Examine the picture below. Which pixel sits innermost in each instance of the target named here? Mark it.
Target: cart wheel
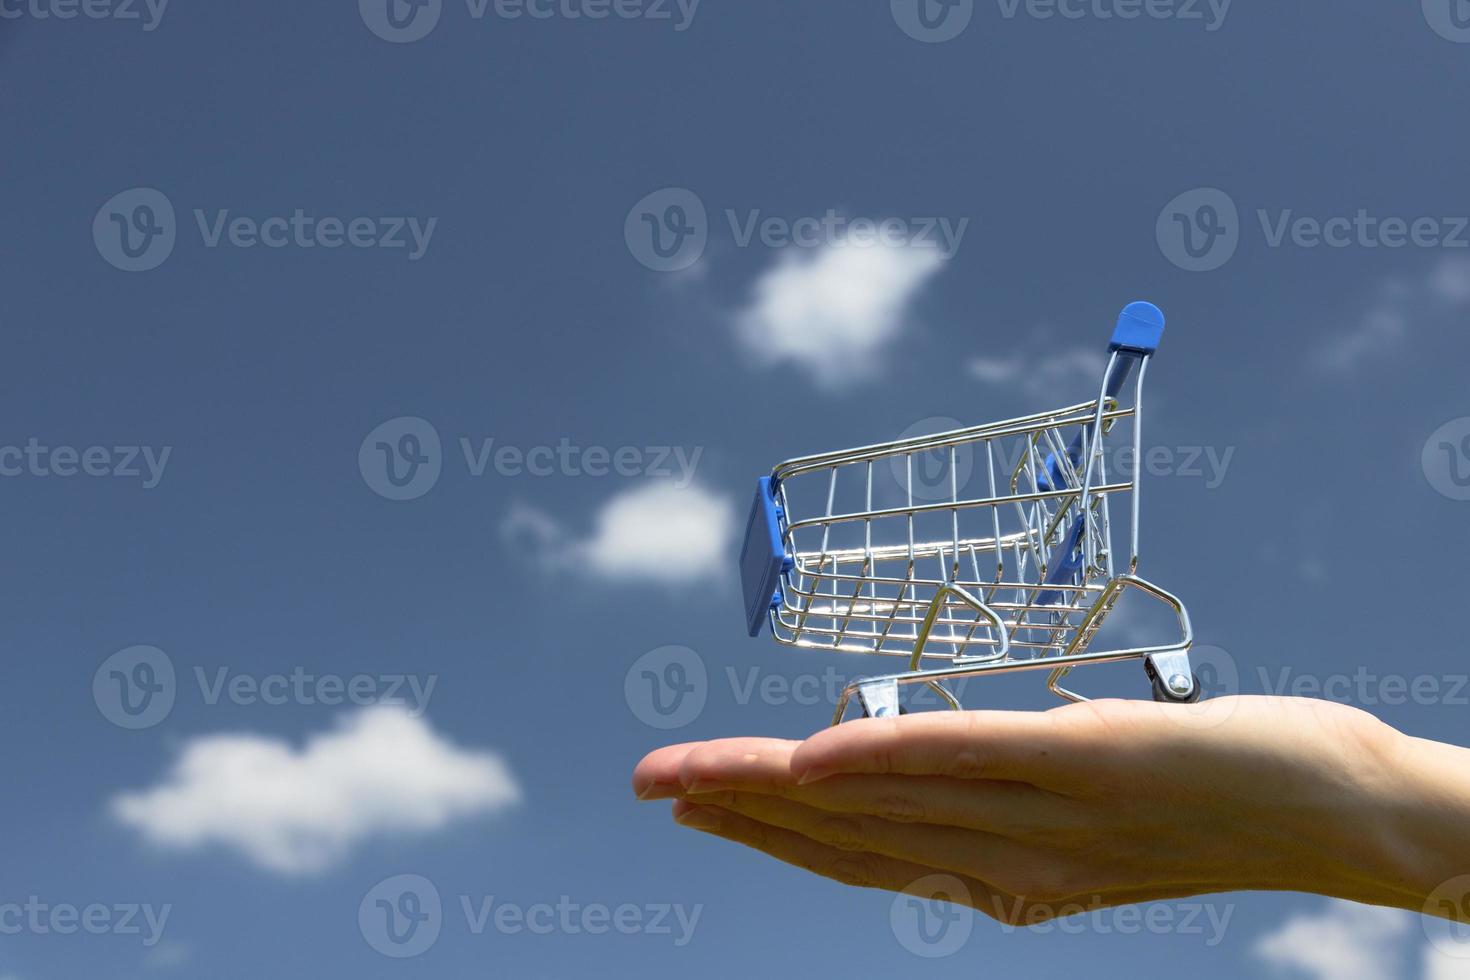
(1163, 693)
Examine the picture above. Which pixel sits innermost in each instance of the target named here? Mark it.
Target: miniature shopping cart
(981, 550)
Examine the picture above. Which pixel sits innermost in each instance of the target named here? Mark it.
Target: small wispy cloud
(1439, 965)
(1450, 281)
(1397, 305)
(299, 811)
(659, 532)
(167, 956)
(1345, 941)
(834, 309)
(1042, 368)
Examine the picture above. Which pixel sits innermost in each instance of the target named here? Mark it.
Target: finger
(1016, 810)
(878, 871)
(856, 868)
(965, 852)
(1029, 747)
(656, 776)
(713, 764)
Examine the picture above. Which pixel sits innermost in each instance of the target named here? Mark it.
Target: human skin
(1094, 804)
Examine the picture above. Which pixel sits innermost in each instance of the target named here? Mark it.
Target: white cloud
(381, 771)
(1440, 965)
(1397, 306)
(1450, 280)
(833, 309)
(167, 956)
(660, 532)
(1346, 941)
(1066, 374)
(1378, 332)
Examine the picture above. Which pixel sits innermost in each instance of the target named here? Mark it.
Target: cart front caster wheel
(1166, 693)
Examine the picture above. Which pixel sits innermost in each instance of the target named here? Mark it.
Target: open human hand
(1101, 803)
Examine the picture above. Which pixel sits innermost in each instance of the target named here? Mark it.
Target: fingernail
(700, 818)
(811, 776)
(657, 791)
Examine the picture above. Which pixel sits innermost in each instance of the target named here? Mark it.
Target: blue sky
(341, 236)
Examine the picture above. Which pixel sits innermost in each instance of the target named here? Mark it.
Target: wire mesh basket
(984, 549)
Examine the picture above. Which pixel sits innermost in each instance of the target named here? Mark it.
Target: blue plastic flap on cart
(1051, 477)
(1139, 330)
(763, 557)
(1066, 563)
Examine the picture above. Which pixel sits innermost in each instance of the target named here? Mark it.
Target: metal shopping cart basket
(981, 550)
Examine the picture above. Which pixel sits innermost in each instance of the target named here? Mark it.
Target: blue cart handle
(1137, 335)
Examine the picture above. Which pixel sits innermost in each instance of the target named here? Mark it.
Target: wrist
(1415, 821)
